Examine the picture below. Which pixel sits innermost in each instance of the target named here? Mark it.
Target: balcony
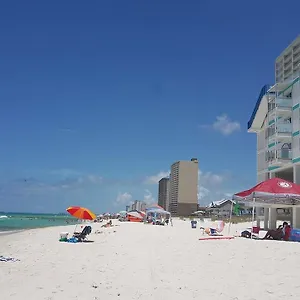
(281, 106)
(281, 131)
(279, 156)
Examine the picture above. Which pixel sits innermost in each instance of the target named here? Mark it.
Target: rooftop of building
(261, 107)
(289, 47)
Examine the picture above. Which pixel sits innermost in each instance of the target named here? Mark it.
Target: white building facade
(276, 121)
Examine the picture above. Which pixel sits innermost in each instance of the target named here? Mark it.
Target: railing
(279, 154)
(284, 154)
(280, 103)
(284, 128)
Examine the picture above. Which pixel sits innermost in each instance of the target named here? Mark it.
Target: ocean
(21, 221)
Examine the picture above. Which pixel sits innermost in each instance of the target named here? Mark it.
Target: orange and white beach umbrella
(81, 213)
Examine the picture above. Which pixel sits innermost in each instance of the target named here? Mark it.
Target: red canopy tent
(272, 191)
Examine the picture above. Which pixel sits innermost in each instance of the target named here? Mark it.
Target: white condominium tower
(183, 192)
(287, 65)
(276, 120)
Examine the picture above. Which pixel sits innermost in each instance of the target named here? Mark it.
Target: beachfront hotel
(163, 192)
(276, 122)
(183, 191)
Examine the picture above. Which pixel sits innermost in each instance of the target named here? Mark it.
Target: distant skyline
(99, 99)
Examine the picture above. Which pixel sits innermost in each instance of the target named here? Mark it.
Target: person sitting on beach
(214, 230)
(281, 233)
(108, 224)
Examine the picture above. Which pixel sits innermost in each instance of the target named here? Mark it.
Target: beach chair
(81, 236)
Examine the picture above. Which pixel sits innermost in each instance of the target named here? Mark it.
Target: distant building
(138, 205)
(163, 193)
(221, 208)
(127, 208)
(183, 190)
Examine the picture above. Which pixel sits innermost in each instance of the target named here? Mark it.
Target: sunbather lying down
(108, 224)
(210, 231)
(214, 231)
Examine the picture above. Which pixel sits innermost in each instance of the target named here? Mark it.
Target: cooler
(255, 229)
(63, 235)
(194, 224)
(295, 235)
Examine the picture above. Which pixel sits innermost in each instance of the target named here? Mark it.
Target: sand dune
(137, 261)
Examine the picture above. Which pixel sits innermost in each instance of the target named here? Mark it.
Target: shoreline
(12, 231)
(9, 232)
(20, 230)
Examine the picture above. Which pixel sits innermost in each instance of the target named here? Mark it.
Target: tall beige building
(183, 192)
(163, 193)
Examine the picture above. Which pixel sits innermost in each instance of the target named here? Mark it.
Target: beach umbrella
(154, 206)
(135, 214)
(81, 213)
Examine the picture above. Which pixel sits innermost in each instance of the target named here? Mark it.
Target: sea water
(21, 221)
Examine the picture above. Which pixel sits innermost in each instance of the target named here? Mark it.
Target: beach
(137, 261)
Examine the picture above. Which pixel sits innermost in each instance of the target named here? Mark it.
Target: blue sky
(99, 98)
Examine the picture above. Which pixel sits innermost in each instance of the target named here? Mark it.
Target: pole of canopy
(253, 214)
(230, 217)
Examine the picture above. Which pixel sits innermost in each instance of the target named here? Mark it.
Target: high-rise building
(183, 191)
(138, 205)
(287, 64)
(276, 122)
(163, 193)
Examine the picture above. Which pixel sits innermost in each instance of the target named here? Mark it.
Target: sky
(98, 99)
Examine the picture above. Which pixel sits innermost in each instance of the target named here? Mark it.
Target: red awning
(275, 190)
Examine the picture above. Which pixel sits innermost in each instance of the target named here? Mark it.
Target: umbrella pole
(253, 212)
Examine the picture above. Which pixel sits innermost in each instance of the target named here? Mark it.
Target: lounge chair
(81, 236)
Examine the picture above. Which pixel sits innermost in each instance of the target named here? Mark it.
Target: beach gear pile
(7, 259)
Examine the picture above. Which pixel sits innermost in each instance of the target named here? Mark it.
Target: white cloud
(65, 173)
(202, 192)
(154, 179)
(224, 125)
(210, 187)
(123, 198)
(148, 197)
(210, 178)
(80, 181)
(228, 195)
(94, 179)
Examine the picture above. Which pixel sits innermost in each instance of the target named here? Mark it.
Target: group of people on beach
(283, 232)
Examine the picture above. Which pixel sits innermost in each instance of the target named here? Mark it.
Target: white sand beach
(137, 261)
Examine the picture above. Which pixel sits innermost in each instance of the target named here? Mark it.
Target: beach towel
(6, 259)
